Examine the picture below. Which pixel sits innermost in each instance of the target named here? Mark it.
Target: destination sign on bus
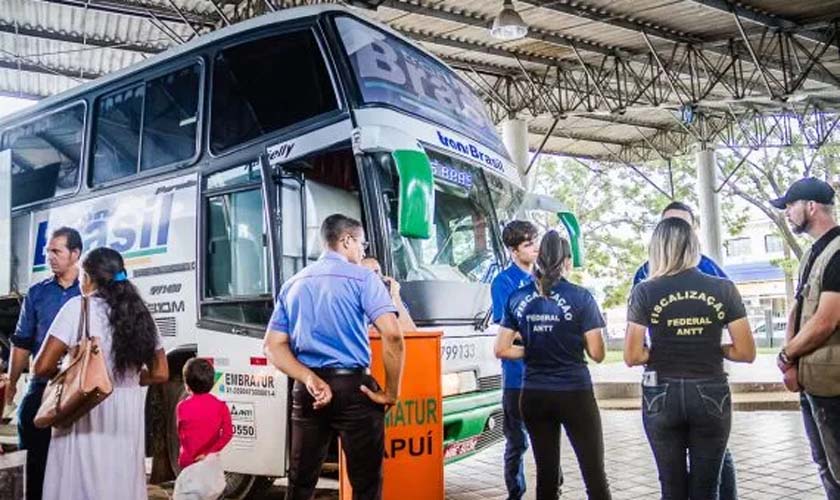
(392, 72)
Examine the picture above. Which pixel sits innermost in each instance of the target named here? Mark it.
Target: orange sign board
(413, 466)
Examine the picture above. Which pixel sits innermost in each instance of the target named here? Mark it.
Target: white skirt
(101, 457)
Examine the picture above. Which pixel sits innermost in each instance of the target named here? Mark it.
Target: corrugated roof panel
(27, 85)
(68, 20)
(66, 56)
(801, 11)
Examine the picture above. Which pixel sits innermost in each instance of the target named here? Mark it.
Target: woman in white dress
(100, 457)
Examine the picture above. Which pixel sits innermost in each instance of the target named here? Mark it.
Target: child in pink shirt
(204, 424)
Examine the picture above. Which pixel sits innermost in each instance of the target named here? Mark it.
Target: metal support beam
(6, 27)
(137, 9)
(765, 19)
(470, 19)
(602, 15)
(47, 70)
(562, 133)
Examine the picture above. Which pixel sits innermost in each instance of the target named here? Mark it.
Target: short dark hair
(678, 205)
(517, 232)
(336, 226)
(198, 374)
(73, 238)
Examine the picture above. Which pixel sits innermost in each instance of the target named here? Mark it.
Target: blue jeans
(688, 416)
(35, 441)
(728, 482)
(822, 424)
(516, 444)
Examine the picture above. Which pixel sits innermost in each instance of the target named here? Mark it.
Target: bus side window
(45, 155)
(266, 85)
(163, 111)
(236, 279)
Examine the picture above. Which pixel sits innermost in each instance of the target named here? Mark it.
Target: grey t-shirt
(685, 314)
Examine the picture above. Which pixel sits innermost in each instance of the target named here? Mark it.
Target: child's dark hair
(517, 232)
(198, 374)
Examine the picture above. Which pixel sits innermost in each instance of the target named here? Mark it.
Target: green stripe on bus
(127, 255)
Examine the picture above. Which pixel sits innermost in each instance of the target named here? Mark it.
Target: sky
(9, 105)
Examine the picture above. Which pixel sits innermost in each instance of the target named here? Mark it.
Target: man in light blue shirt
(318, 336)
(520, 238)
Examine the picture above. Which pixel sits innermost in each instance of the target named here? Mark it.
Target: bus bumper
(471, 422)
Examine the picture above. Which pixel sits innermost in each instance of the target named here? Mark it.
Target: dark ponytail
(134, 333)
(554, 251)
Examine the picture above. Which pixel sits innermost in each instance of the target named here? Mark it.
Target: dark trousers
(516, 444)
(35, 441)
(821, 416)
(359, 423)
(693, 417)
(544, 413)
(728, 481)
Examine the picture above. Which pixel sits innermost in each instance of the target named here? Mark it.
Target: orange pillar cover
(413, 467)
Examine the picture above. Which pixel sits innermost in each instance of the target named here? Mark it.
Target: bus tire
(242, 486)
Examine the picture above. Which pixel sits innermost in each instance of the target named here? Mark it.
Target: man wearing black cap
(810, 359)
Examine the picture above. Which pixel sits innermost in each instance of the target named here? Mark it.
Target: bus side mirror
(417, 193)
(572, 226)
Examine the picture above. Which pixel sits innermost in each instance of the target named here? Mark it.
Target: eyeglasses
(365, 244)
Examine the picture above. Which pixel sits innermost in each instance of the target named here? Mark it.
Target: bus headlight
(459, 383)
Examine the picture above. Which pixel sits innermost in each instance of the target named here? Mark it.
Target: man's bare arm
(816, 331)
(393, 357)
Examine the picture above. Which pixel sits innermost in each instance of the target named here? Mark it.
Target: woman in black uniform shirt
(686, 406)
(558, 321)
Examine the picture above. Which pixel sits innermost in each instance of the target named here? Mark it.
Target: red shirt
(204, 426)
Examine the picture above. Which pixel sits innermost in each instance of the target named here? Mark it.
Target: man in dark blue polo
(520, 238)
(728, 484)
(40, 306)
(318, 336)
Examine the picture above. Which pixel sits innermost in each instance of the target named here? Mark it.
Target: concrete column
(515, 138)
(710, 234)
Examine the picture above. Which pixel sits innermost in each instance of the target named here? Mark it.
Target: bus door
(237, 299)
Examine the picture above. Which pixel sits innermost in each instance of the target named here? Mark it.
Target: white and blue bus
(211, 166)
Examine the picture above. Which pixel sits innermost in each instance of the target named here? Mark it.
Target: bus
(211, 166)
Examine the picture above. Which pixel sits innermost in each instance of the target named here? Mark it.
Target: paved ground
(770, 450)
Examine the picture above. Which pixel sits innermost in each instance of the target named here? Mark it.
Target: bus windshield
(463, 246)
(389, 71)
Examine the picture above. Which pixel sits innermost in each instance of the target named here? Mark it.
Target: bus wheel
(241, 486)
(173, 393)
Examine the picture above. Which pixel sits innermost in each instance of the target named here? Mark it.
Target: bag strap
(84, 322)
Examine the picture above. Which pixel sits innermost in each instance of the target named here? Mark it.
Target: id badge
(649, 379)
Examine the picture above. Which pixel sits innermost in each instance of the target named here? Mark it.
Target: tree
(758, 176)
(615, 207)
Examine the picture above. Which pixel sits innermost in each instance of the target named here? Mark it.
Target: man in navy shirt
(318, 336)
(520, 238)
(682, 211)
(42, 303)
(728, 488)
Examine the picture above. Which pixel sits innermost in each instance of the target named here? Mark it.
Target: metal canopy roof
(615, 80)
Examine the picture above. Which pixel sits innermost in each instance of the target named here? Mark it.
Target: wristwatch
(784, 358)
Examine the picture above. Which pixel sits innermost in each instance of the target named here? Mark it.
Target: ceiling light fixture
(508, 24)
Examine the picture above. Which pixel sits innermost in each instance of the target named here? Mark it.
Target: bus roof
(178, 50)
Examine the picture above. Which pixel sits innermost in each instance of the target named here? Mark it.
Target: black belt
(341, 371)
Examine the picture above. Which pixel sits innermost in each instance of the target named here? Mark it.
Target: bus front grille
(493, 434)
(490, 383)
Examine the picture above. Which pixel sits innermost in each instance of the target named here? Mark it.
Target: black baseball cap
(808, 189)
